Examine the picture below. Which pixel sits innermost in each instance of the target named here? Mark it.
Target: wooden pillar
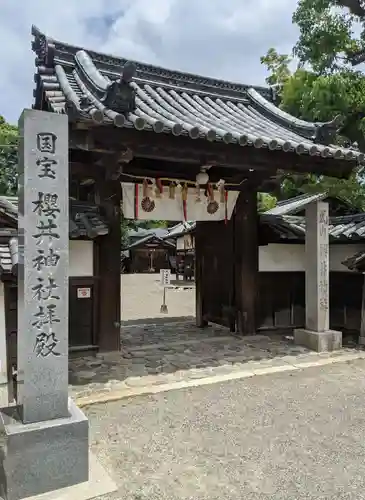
(199, 275)
(246, 261)
(109, 260)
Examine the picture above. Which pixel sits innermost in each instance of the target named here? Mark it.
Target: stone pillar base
(330, 340)
(361, 340)
(42, 457)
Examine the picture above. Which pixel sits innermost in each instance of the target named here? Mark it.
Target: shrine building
(162, 144)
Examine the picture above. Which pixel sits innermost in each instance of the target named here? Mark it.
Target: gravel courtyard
(291, 435)
(270, 437)
(141, 298)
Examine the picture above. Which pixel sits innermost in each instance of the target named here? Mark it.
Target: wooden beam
(83, 165)
(246, 261)
(85, 170)
(154, 145)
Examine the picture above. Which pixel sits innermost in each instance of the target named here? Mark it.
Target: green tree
(315, 96)
(278, 65)
(8, 158)
(332, 34)
(265, 201)
(332, 45)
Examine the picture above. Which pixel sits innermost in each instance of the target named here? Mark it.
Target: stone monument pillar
(46, 435)
(317, 335)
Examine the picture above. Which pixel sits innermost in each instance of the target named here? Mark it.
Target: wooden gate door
(214, 251)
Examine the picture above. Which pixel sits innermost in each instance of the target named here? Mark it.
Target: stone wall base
(330, 340)
(40, 457)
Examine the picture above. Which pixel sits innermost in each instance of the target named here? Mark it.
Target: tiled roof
(85, 218)
(292, 228)
(12, 202)
(287, 227)
(9, 207)
(296, 204)
(356, 262)
(9, 251)
(181, 229)
(149, 239)
(142, 233)
(86, 221)
(106, 89)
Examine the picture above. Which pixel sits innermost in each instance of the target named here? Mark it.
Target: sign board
(165, 277)
(83, 293)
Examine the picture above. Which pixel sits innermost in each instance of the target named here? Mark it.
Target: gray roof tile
(290, 227)
(142, 233)
(296, 204)
(75, 81)
(356, 262)
(150, 238)
(181, 229)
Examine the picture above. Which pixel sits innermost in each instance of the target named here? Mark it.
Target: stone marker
(46, 435)
(43, 280)
(317, 335)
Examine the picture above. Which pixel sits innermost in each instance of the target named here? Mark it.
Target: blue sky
(223, 39)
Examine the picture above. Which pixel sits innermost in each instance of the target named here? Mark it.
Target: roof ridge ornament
(325, 133)
(120, 95)
(43, 47)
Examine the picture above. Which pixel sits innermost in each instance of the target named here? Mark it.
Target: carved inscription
(46, 259)
(323, 260)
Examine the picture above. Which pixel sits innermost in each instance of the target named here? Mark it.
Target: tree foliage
(332, 34)
(278, 66)
(8, 158)
(325, 84)
(265, 201)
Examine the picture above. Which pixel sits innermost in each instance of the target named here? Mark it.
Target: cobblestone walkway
(166, 353)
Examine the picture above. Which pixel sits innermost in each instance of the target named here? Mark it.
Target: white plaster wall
(81, 258)
(285, 257)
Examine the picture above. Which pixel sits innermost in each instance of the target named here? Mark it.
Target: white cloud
(223, 39)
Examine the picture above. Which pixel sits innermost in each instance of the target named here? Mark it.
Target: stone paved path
(166, 353)
(162, 349)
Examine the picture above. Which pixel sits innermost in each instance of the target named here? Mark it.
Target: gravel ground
(141, 298)
(298, 436)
